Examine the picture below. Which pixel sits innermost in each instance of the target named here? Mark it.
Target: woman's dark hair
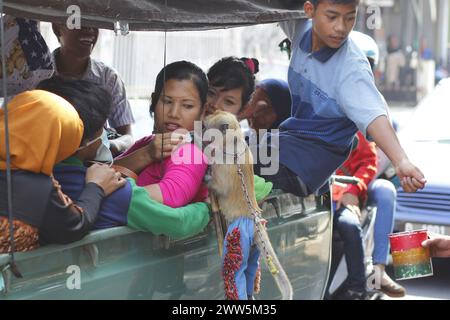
(232, 73)
(180, 70)
(92, 102)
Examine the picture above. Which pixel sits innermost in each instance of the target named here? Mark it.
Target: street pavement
(436, 287)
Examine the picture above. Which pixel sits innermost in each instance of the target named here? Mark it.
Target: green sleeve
(262, 188)
(146, 214)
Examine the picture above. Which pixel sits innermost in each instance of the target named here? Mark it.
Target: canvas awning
(143, 15)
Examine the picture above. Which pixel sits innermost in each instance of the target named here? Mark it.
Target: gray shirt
(99, 73)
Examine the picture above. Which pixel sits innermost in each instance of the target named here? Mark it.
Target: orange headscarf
(44, 129)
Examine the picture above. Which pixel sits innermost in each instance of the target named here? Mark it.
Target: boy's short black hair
(92, 102)
(317, 2)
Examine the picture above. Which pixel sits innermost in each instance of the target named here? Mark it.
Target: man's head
(333, 20)
(79, 42)
(93, 104)
(270, 104)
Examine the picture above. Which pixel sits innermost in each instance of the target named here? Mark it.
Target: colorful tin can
(411, 260)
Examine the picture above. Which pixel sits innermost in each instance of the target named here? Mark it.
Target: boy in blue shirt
(333, 96)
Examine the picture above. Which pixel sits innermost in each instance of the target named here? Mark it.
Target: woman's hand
(163, 144)
(105, 177)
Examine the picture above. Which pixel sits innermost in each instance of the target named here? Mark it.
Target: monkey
(225, 181)
(232, 183)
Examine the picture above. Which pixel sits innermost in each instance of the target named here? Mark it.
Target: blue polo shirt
(333, 96)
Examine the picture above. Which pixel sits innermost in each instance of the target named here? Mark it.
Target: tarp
(160, 15)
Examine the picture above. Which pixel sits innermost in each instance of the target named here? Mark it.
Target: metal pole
(443, 25)
(14, 269)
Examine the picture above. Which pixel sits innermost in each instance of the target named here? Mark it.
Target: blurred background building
(413, 36)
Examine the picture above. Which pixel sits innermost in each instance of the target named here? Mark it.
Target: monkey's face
(231, 141)
(222, 121)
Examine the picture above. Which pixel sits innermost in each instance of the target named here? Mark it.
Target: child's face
(178, 107)
(80, 42)
(225, 100)
(332, 23)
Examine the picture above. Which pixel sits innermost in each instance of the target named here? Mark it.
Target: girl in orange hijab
(44, 129)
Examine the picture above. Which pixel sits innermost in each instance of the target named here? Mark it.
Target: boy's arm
(384, 136)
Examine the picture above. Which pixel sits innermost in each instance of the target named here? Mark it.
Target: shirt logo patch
(320, 94)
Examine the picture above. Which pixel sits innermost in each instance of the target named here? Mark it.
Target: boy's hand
(439, 246)
(410, 176)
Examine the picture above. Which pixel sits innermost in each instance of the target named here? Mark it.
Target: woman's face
(225, 100)
(178, 107)
(262, 115)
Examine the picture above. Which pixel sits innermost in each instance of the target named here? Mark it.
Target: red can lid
(407, 240)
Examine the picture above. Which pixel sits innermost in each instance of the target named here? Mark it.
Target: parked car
(121, 263)
(426, 139)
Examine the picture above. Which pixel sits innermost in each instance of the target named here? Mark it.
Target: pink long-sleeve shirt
(180, 177)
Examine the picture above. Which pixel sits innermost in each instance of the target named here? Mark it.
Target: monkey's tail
(263, 243)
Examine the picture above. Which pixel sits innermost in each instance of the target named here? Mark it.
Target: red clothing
(362, 163)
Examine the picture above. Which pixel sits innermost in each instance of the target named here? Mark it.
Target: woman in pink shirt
(177, 102)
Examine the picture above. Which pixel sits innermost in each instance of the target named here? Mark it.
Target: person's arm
(384, 136)
(148, 150)
(68, 221)
(137, 160)
(148, 215)
(122, 143)
(181, 181)
(368, 110)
